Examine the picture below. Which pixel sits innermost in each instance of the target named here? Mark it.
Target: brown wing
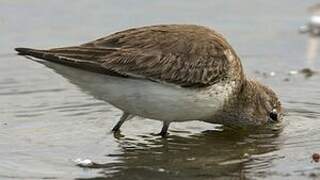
(186, 55)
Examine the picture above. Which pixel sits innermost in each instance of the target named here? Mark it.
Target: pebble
(272, 73)
(307, 72)
(84, 162)
(286, 79)
(246, 155)
(316, 157)
(293, 72)
(191, 159)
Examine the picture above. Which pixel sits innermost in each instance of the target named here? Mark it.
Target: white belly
(149, 99)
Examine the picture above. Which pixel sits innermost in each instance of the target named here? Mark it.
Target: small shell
(84, 162)
(316, 157)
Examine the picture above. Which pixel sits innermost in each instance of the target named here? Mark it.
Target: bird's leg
(164, 129)
(125, 116)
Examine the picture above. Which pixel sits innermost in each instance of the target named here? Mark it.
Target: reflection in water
(42, 131)
(200, 156)
(313, 29)
(312, 48)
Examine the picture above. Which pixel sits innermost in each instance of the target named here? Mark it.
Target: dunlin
(170, 73)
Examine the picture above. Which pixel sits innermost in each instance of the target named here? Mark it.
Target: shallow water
(46, 122)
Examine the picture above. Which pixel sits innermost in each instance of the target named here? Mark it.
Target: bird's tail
(31, 52)
(78, 57)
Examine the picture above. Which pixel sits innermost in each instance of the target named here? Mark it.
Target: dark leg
(164, 129)
(125, 116)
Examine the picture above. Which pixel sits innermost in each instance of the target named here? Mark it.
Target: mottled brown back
(186, 55)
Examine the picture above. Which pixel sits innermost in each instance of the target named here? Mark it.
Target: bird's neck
(236, 109)
(248, 91)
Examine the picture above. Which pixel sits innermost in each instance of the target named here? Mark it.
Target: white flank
(150, 99)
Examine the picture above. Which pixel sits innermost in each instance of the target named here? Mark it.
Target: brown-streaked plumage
(193, 63)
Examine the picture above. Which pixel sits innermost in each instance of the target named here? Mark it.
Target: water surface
(46, 121)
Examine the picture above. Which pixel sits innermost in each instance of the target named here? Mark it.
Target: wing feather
(186, 55)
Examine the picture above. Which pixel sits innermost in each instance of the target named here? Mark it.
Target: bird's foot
(162, 134)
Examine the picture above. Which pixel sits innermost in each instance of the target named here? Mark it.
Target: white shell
(84, 162)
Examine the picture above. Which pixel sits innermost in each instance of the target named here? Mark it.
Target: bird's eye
(274, 115)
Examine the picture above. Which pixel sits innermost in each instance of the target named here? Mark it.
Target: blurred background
(46, 122)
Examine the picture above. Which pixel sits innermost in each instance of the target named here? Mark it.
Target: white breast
(150, 99)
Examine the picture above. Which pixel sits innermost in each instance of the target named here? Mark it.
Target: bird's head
(254, 105)
(261, 103)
